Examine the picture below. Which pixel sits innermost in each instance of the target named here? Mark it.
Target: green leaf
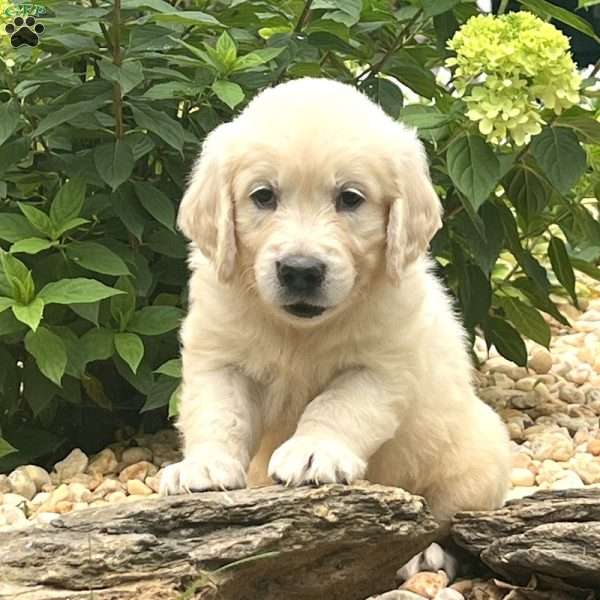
(473, 168)
(187, 17)
(507, 340)
(130, 348)
(256, 58)
(386, 93)
(76, 291)
(547, 9)
(526, 319)
(15, 227)
(164, 126)
(228, 92)
(129, 212)
(96, 257)
(528, 192)
(68, 202)
(6, 303)
(561, 157)
(159, 394)
(128, 75)
(156, 203)
(122, 307)
(423, 117)
(71, 224)
(30, 314)
(582, 121)
(37, 218)
(559, 259)
(431, 8)
(174, 402)
(97, 344)
(226, 50)
(66, 113)
(155, 320)
(31, 245)
(5, 448)
(172, 368)
(9, 119)
(18, 277)
(49, 352)
(114, 163)
(408, 70)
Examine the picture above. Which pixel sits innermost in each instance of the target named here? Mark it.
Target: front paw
(212, 469)
(305, 459)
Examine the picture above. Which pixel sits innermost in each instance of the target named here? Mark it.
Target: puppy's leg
(220, 423)
(338, 432)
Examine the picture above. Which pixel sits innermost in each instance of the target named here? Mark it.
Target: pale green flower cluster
(508, 68)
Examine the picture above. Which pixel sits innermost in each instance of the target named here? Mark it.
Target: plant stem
(117, 60)
(398, 43)
(303, 16)
(503, 6)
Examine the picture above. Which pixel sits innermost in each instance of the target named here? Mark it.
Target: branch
(117, 60)
(303, 16)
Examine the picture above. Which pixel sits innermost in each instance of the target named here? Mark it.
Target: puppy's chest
(289, 376)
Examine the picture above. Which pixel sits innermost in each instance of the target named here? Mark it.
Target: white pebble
(38, 475)
(522, 477)
(541, 361)
(75, 463)
(448, 594)
(22, 484)
(11, 515)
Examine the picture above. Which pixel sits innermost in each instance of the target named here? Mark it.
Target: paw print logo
(24, 31)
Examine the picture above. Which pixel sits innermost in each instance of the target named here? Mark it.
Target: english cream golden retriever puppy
(318, 345)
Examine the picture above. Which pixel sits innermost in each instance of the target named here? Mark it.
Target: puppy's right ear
(206, 210)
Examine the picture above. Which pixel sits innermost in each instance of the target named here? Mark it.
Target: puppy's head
(308, 196)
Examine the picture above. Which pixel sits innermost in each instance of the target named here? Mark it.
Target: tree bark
(554, 534)
(335, 542)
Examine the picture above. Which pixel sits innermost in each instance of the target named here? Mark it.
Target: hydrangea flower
(509, 67)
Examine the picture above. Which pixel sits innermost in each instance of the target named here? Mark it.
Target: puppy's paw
(305, 459)
(214, 469)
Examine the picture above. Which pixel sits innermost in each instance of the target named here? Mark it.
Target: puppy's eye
(349, 199)
(264, 197)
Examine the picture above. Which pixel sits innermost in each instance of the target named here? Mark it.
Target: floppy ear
(206, 211)
(415, 215)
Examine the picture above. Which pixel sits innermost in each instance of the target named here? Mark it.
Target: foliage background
(99, 125)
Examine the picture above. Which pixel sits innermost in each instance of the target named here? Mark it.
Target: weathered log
(554, 534)
(332, 542)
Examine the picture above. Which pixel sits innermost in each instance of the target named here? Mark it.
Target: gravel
(551, 408)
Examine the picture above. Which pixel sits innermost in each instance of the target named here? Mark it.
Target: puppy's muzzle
(301, 279)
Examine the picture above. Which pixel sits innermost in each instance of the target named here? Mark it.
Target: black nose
(300, 274)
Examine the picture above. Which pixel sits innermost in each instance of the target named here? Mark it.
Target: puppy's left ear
(415, 215)
(206, 212)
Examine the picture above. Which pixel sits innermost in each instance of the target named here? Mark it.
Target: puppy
(318, 345)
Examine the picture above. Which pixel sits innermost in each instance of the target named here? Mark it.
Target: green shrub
(99, 124)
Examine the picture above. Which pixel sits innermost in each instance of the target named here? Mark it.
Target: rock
(106, 487)
(579, 375)
(142, 550)
(75, 463)
(136, 454)
(103, 463)
(524, 400)
(526, 384)
(541, 361)
(153, 482)
(463, 586)
(63, 507)
(448, 594)
(38, 475)
(22, 484)
(11, 499)
(587, 467)
(79, 492)
(593, 447)
(426, 583)
(139, 471)
(137, 487)
(549, 472)
(520, 492)
(46, 517)
(520, 460)
(571, 394)
(553, 446)
(569, 480)
(397, 595)
(550, 533)
(5, 487)
(522, 477)
(11, 516)
(487, 590)
(115, 497)
(40, 498)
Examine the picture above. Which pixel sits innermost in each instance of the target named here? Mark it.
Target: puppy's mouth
(304, 310)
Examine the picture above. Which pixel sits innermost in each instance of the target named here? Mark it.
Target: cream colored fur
(379, 386)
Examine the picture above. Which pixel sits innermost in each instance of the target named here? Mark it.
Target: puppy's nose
(300, 274)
